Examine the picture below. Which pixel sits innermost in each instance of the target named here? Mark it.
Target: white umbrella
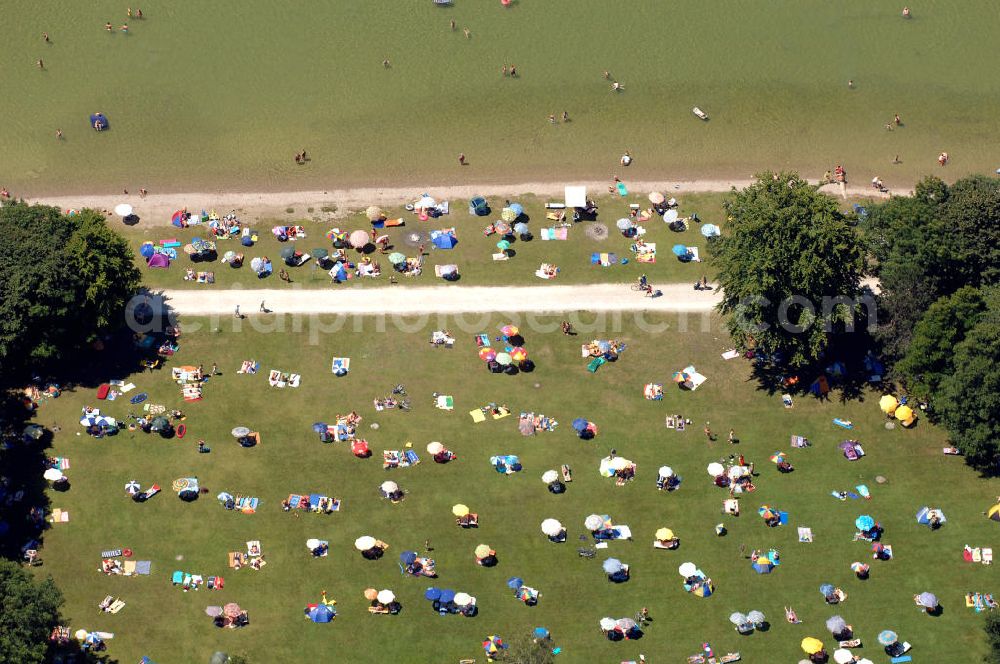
(624, 224)
(619, 463)
(359, 238)
(53, 474)
(836, 624)
(735, 472)
(756, 617)
(132, 487)
(666, 471)
(715, 469)
(551, 527)
(364, 543)
(239, 432)
(670, 216)
(435, 448)
(687, 569)
(123, 209)
(550, 476)
(737, 618)
(462, 599)
(593, 522)
(386, 597)
(425, 202)
(312, 543)
(842, 656)
(389, 486)
(607, 624)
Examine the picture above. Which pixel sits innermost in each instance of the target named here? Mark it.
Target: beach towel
(111, 553)
(444, 402)
(730, 354)
(143, 567)
(60, 516)
(248, 367)
(128, 569)
(596, 364)
(621, 188)
(62, 463)
(477, 415)
(482, 340)
(603, 259)
(846, 424)
(805, 534)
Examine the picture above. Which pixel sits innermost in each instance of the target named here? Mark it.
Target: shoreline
(156, 209)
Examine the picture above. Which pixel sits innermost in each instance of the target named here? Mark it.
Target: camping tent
(479, 207)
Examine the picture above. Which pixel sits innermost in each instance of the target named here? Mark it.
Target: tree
(789, 265)
(969, 397)
(525, 650)
(972, 215)
(992, 628)
(66, 282)
(30, 611)
(931, 353)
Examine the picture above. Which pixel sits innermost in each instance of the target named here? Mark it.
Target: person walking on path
(237, 312)
(263, 309)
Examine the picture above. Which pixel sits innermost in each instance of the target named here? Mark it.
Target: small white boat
(700, 113)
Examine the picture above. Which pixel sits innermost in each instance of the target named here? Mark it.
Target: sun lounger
(699, 113)
(116, 606)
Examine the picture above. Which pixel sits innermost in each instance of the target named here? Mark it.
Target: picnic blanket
(479, 414)
(805, 534)
(529, 423)
(645, 253)
(555, 233)
(653, 391)
(249, 367)
(444, 402)
(399, 458)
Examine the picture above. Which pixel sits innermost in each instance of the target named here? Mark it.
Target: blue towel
(783, 517)
(411, 457)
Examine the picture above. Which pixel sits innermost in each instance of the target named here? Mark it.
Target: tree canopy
(789, 263)
(30, 611)
(66, 282)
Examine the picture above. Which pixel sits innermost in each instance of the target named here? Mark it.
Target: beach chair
(596, 364)
(567, 473)
(116, 606)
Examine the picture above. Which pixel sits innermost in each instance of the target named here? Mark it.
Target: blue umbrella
(319, 427)
(432, 594)
(447, 596)
(146, 250)
(680, 250)
(541, 633)
(579, 424)
(520, 228)
(517, 209)
(710, 230)
(864, 522)
(612, 566)
(322, 614)
(827, 589)
(408, 557)
(887, 637)
(515, 582)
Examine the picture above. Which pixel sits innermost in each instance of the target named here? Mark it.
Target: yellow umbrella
(664, 534)
(370, 593)
(994, 513)
(904, 413)
(460, 510)
(483, 550)
(811, 645)
(888, 404)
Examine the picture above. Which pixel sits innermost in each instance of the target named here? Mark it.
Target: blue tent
(322, 613)
(444, 241)
(479, 207)
(579, 424)
(433, 594)
(408, 557)
(515, 582)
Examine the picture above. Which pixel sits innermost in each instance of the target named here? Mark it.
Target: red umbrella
(487, 354)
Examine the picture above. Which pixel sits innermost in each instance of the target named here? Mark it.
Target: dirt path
(156, 209)
(441, 300)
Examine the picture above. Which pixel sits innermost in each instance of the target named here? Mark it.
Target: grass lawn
(224, 97)
(472, 253)
(170, 626)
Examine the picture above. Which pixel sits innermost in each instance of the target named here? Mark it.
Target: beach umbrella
(231, 610)
(625, 624)
(864, 522)
(550, 476)
(370, 593)
(213, 611)
(503, 245)
(826, 589)
(517, 209)
(888, 403)
(736, 472)
(228, 256)
(396, 258)
(364, 543)
(857, 567)
(836, 625)
(256, 264)
(502, 228)
(435, 448)
(612, 566)
(374, 213)
(715, 469)
(319, 427)
(887, 637)
(993, 514)
(431, 594)
(656, 198)
(53, 475)
(80, 634)
(778, 457)
(508, 215)
(756, 617)
(322, 613)
(482, 550)
(521, 228)
(147, 249)
(504, 359)
(509, 330)
(927, 600)
(320, 253)
(359, 238)
(123, 209)
(664, 534)
(607, 624)
(132, 487)
(408, 557)
(593, 522)
(551, 527)
(680, 250)
(389, 486)
(386, 597)
(239, 432)
(540, 633)
(811, 645)
(763, 565)
(463, 599)
(579, 424)
(447, 596)
(425, 202)
(903, 413)
(710, 230)
(687, 569)
(681, 377)
(518, 354)
(624, 224)
(312, 543)
(460, 510)
(487, 354)
(515, 582)
(619, 463)
(666, 471)
(670, 216)
(738, 618)
(842, 656)
(287, 252)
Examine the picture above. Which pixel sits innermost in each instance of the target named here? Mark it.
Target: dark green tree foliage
(785, 240)
(992, 628)
(525, 650)
(66, 282)
(30, 611)
(972, 216)
(930, 357)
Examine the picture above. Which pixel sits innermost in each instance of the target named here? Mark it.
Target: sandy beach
(156, 209)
